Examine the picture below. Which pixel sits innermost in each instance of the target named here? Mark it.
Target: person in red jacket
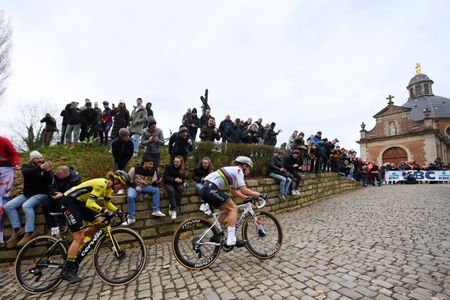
(9, 159)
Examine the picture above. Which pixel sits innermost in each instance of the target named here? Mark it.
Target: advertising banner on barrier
(394, 176)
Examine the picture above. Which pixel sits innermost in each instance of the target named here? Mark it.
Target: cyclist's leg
(75, 220)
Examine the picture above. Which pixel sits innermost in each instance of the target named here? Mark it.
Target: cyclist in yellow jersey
(79, 203)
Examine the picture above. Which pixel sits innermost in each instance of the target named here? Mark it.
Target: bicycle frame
(247, 209)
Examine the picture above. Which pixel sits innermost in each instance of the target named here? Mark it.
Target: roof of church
(439, 107)
(419, 78)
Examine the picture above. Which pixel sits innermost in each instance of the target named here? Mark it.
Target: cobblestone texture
(389, 242)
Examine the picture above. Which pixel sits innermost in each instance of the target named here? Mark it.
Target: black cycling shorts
(214, 196)
(75, 212)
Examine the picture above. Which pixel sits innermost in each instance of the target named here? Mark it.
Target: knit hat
(194, 110)
(182, 129)
(123, 132)
(272, 124)
(151, 120)
(35, 154)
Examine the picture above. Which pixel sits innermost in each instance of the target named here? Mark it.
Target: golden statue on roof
(418, 68)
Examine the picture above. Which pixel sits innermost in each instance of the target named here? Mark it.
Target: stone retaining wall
(313, 187)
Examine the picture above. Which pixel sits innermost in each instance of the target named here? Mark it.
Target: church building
(418, 130)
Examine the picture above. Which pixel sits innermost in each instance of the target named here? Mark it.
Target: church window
(411, 95)
(418, 90)
(426, 89)
(447, 131)
(392, 128)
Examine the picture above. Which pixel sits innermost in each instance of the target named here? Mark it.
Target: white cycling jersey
(231, 176)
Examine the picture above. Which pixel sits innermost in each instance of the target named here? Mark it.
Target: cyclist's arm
(244, 192)
(109, 205)
(92, 204)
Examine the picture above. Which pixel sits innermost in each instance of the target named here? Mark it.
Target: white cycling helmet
(244, 160)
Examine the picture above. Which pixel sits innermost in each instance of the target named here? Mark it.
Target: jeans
(75, 129)
(136, 138)
(63, 133)
(28, 204)
(133, 194)
(285, 182)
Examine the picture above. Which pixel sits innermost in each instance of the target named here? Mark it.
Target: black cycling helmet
(123, 177)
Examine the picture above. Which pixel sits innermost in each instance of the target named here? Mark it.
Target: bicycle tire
(107, 264)
(183, 243)
(35, 252)
(270, 226)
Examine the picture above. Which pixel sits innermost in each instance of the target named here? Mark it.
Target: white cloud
(323, 65)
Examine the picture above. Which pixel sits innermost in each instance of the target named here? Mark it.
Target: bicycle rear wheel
(124, 266)
(196, 244)
(264, 235)
(39, 264)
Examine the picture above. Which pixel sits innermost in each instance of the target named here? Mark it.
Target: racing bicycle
(119, 256)
(197, 242)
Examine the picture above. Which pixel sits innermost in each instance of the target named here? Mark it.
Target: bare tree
(27, 130)
(5, 51)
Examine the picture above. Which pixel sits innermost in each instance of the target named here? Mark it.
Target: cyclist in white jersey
(213, 194)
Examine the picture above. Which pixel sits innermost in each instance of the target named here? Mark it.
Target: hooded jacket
(152, 147)
(137, 119)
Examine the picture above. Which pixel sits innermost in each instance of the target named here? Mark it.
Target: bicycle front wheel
(196, 243)
(264, 235)
(39, 264)
(122, 265)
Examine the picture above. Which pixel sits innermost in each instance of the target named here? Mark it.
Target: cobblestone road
(391, 242)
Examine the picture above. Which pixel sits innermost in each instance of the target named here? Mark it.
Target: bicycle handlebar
(262, 202)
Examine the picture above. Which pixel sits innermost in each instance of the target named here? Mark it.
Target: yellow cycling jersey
(89, 191)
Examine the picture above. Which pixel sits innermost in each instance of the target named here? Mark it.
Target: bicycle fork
(118, 252)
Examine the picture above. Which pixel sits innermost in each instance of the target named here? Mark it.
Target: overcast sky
(306, 65)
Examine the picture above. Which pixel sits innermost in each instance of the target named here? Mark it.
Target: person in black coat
(210, 132)
(180, 144)
(89, 121)
(278, 171)
(293, 164)
(174, 177)
(122, 150)
(63, 179)
(121, 119)
(203, 168)
(233, 133)
(192, 123)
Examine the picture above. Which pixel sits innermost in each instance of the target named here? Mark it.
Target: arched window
(426, 89)
(418, 90)
(392, 129)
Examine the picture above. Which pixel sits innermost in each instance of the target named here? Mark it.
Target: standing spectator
(73, 115)
(174, 176)
(153, 139)
(192, 123)
(121, 119)
(186, 116)
(224, 125)
(83, 125)
(203, 168)
(122, 151)
(270, 136)
(106, 123)
(137, 120)
(64, 123)
(49, 130)
(250, 134)
(37, 177)
(148, 108)
(291, 142)
(210, 132)
(89, 121)
(204, 118)
(99, 122)
(260, 135)
(314, 157)
(248, 122)
(9, 159)
(316, 139)
(180, 144)
(334, 158)
(63, 179)
(233, 133)
(293, 164)
(279, 172)
(146, 181)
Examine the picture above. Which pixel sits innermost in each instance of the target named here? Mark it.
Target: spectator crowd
(44, 184)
